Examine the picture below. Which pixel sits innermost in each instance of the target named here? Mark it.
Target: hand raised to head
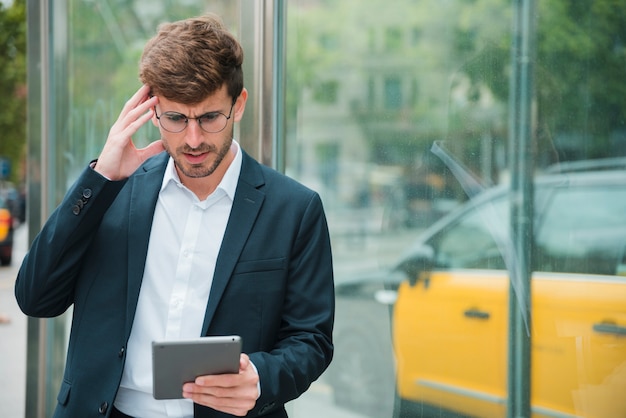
(119, 157)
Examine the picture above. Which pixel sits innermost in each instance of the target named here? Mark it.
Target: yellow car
(450, 313)
(6, 233)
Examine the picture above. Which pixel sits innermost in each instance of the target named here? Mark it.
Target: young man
(195, 241)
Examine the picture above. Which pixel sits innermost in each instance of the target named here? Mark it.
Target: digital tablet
(177, 362)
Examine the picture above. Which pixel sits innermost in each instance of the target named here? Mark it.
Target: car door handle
(606, 328)
(476, 314)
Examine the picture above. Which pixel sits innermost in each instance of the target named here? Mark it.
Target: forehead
(218, 101)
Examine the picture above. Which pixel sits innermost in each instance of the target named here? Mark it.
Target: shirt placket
(183, 273)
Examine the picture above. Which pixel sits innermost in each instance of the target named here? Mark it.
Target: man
(198, 240)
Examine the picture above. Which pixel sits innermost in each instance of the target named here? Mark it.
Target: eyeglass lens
(209, 122)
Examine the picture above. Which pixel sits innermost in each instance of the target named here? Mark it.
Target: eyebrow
(194, 117)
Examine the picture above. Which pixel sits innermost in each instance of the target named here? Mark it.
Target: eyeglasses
(211, 122)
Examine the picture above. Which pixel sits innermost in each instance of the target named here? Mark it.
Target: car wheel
(5, 260)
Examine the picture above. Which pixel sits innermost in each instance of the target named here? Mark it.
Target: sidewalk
(12, 337)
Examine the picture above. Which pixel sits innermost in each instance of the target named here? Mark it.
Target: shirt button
(103, 408)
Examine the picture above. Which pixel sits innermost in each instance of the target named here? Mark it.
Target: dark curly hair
(188, 60)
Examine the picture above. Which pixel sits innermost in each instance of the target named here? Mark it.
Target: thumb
(244, 361)
(152, 149)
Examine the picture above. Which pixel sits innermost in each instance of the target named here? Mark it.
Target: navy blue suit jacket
(273, 282)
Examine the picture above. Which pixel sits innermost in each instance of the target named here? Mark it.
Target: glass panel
(398, 114)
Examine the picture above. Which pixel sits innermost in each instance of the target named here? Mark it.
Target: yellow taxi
(449, 314)
(6, 233)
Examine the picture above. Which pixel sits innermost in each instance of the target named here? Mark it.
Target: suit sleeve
(46, 279)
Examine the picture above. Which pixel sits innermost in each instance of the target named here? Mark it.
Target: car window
(475, 240)
(583, 231)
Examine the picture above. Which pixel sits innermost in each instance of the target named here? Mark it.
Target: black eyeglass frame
(197, 118)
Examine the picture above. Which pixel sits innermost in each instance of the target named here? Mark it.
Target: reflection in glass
(370, 90)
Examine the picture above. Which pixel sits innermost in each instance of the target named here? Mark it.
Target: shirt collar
(228, 183)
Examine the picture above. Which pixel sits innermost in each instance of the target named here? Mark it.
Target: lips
(196, 158)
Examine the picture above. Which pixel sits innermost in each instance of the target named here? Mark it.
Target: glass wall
(471, 156)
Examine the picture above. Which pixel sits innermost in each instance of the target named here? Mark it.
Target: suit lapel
(246, 206)
(144, 192)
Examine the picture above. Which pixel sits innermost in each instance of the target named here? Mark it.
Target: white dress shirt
(184, 243)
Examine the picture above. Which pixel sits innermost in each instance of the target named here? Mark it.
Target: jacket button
(103, 408)
(121, 353)
(87, 193)
(75, 209)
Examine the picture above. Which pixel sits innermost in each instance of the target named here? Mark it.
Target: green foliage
(579, 64)
(458, 54)
(581, 67)
(13, 85)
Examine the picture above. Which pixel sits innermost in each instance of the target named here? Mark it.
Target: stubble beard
(199, 170)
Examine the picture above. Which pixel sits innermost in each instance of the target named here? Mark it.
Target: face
(197, 153)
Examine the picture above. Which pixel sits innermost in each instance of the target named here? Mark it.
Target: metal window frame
(262, 34)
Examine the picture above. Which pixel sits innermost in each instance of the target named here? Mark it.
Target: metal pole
(47, 108)
(262, 35)
(520, 145)
(38, 67)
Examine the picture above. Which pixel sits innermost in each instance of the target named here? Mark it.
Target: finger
(139, 111)
(130, 122)
(136, 101)
(217, 381)
(140, 96)
(138, 119)
(230, 405)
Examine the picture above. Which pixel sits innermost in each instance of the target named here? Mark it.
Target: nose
(193, 132)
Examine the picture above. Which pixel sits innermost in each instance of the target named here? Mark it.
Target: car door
(450, 327)
(579, 308)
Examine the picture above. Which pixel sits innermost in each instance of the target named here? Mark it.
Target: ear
(154, 119)
(240, 105)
